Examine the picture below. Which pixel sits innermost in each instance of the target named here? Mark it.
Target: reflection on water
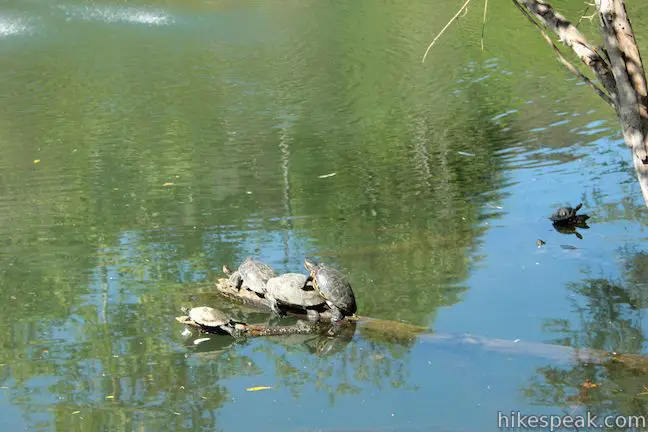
(117, 14)
(12, 26)
(146, 144)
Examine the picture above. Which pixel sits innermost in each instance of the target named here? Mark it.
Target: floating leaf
(76, 412)
(328, 175)
(36, 161)
(110, 397)
(168, 184)
(588, 384)
(201, 340)
(258, 388)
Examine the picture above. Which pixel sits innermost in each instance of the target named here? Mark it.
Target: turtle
(567, 215)
(292, 290)
(215, 321)
(252, 274)
(333, 286)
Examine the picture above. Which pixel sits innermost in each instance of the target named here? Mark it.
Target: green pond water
(144, 144)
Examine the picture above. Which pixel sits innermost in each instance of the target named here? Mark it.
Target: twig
(484, 24)
(562, 58)
(590, 17)
(444, 29)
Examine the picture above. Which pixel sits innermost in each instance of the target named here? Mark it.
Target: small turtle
(567, 215)
(251, 274)
(333, 286)
(215, 321)
(293, 290)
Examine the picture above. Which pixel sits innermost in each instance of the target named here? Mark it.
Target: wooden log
(399, 332)
(258, 330)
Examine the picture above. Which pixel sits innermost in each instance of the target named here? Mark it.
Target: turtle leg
(336, 313)
(274, 306)
(312, 315)
(236, 281)
(229, 329)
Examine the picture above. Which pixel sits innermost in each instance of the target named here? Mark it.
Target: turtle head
(310, 265)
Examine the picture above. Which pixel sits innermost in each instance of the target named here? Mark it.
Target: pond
(146, 144)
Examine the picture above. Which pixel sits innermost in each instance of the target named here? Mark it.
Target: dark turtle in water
(215, 321)
(333, 286)
(292, 290)
(251, 274)
(568, 216)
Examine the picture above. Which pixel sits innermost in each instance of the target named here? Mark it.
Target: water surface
(144, 144)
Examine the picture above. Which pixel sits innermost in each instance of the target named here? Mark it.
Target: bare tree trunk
(620, 70)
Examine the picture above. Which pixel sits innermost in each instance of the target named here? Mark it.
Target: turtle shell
(288, 288)
(564, 214)
(333, 286)
(255, 274)
(208, 316)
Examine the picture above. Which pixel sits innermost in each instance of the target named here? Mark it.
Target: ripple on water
(109, 14)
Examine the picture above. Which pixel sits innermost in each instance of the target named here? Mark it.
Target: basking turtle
(251, 274)
(333, 286)
(567, 215)
(215, 321)
(293, 291)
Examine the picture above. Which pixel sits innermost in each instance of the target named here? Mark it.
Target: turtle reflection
(568, 229)
(209, 346)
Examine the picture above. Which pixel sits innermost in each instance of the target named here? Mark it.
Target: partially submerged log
(399, 332)
(259, 330)
(393, 329)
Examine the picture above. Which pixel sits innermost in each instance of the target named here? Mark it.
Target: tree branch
(623, 77)
(563, 60)
(573, 38)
